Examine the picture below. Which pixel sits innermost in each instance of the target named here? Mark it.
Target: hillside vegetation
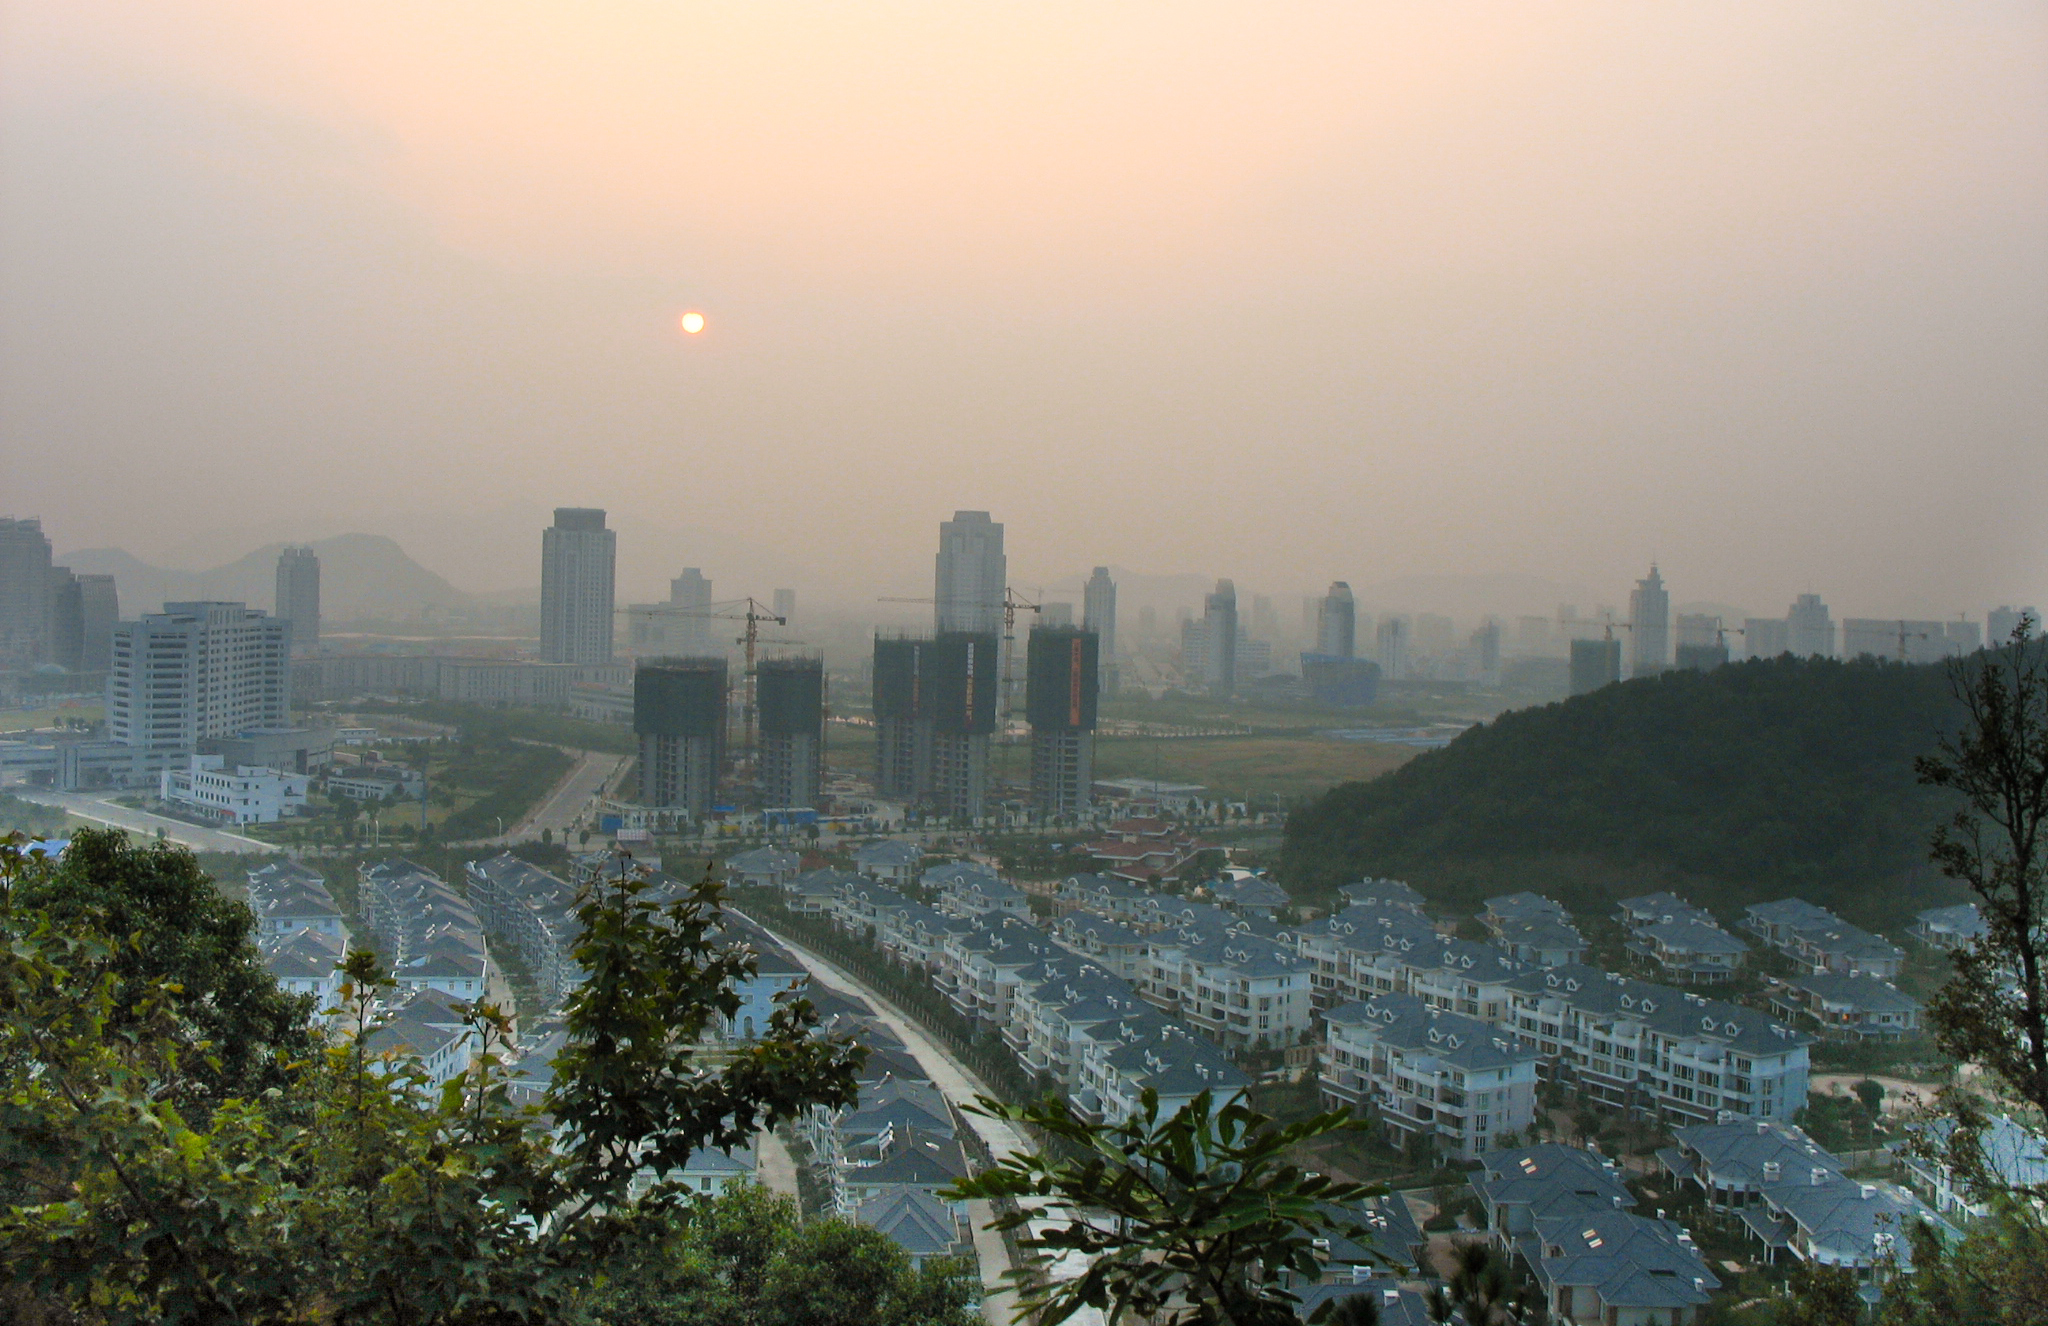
(1754, 781)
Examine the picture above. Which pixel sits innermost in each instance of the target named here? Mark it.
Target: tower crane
(749, 610)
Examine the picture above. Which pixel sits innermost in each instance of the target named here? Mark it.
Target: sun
(693, 322)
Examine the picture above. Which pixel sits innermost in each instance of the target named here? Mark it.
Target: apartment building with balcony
(1428, 1073)
(1241, 990)
(1630, 1045)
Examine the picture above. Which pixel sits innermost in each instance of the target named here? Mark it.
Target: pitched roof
(914, 1220)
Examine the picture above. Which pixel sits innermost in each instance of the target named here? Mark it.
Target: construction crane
(1013, 603)
(1903, 634)
(749, 610)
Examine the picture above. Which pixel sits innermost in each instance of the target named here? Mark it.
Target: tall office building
(679, 709)
(1055, 613)
(100, 604)
(64, 635)
(1649, 618)
(785, 605)
(935, 708)
(1337, 623)
(1486, 648)
(1219, 640)
(789, 698)
(1098, 614)
(689, 623)
(1060, 690)
(1766, 637)
(24, 593)
(1392, 639)
(578, 556)
(198, 670)
(1811, 630)
(971, 574)
(298, 597)
(2003, 620)
(1595, 663)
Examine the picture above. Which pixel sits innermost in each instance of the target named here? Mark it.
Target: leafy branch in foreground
(1197, 1219)
(1994, 1009)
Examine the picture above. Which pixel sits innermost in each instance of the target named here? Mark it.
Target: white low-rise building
(247, 794)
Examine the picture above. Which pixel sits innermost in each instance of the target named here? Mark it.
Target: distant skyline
(1334, 292)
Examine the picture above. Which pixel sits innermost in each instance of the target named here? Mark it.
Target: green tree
(1993, 1010)
(1817, 1295)
(167, 926)
(1196, 1219)
(355, 1190)
(1996, 1275)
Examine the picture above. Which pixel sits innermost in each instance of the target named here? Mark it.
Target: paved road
(960, 1086)
(572, 797)
(776, 1167)
(101, 807)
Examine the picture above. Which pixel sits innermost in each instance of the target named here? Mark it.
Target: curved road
(102, 808)
(959, 1085)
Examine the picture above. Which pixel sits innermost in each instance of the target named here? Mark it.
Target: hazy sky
(1285, 292)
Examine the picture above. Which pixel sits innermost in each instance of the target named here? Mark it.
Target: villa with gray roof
(1849, 1007)
(1630, 1045)
(1829, 1220)
(1383, 893)
(1617, 1268)
(888, 861)
(1733, 1163)
(1689, 950)
(1521, 1186)
(1429, 1074)
(1948, 927)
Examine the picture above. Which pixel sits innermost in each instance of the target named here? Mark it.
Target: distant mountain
(1471, 597)
(1750, 782)
(362, 577)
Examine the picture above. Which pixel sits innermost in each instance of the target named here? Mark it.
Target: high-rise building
(578, 556)
(1265, 622)
(1098, 614)
(971, 574)
(2002, 621)
(689, 621)
(1595, 663)
(1701, 658)
(1060, 690)
(1337, 623)
(1811, 630)
(679, 709)
(903, 739)
(1486, 648)
(24, 592)
(1649, 618)
(298, 597)
(1219, 640)
(789, 699)
(1766, 637)
(195, 671)
(785, 605)
(1392, 639)
(1698, 628)
(1965, 637)
(1055, 613)
(935, 708)
(64, 636)
(100, 605)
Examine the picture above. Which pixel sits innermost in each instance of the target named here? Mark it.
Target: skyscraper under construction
(935, 708)
(679, 711)
(1060, 690)
(789, 697)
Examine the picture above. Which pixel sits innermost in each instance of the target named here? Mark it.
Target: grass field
(20, 720)
(1287, 766)
(1239, 767)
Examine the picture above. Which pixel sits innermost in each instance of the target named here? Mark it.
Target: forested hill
(1750, 782)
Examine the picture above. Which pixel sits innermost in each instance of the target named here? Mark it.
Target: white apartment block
(1240, 990)
(1628, 1044)
(1429, 1073)
(245, 794)
(197, 670)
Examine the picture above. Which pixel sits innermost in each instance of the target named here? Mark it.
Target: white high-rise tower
(1098, 614)
(577, 558)
(971, 574)
(1649, 616)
